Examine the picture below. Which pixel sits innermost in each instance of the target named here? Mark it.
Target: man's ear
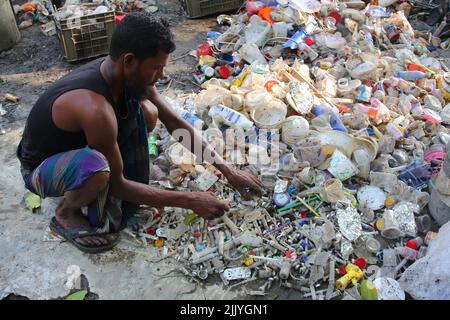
(130, 62)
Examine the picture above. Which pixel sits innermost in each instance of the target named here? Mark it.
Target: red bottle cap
(342, 271)
(197, 233)
(150, 231)
(224, 72)
(204, 50)
(360, 262)
(288, 254)
(411, 244)
(336, 16)
(309, 41)
(343, 108)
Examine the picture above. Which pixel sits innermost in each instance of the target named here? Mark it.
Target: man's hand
(244, 182)
(207, 206)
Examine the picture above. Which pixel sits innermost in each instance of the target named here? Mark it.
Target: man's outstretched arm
(237, 178)
(100, 128)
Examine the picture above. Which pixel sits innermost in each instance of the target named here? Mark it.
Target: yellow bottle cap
(380, 224)
(248, 261)
(159, 243)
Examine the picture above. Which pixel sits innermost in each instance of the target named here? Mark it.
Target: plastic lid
(224, 72)
(411, 244)
(336, 16)
(309, 41)
(360, 262)
(281, 199)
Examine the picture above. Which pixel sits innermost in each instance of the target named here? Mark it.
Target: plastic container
(298, 37)
(257, 31)
(280, 29)
(415, 243)
(195, 121)
(207, 71)
(294, 129)
(364, 93)
(394, 131)
(270, 116)
(407, 253)
(196, 9)
(87, 36)
(251, 53)
(152, 146)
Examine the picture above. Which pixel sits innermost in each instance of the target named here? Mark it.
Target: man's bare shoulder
(76, 109)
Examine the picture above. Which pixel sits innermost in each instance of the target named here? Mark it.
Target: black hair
(142, 34)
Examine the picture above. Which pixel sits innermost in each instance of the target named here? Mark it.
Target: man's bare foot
(70, 219)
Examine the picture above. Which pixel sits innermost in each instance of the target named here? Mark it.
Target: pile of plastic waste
(37, 11)
(338, 108)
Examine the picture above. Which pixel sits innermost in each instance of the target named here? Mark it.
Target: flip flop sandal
(74, 233)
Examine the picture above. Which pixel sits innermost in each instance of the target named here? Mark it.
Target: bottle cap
(360, 262)
(281, 199)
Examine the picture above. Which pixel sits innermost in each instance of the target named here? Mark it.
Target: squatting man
(86, 140)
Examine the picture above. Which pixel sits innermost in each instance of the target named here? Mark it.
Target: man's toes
(111, 237)
(102, 240)
(84, 241)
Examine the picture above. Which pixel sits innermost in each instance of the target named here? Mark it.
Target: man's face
(140, 75)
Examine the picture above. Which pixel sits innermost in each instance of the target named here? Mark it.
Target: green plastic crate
(201, 8)
(87, 36)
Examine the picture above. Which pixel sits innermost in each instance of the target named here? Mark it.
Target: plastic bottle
(299, 37)
(152, 146)
(195, 121)
(312, 55)
(230, 117)
(411, 75)
(394, 131)
(414, 243)
(208, 71)
(407, 253)
(257, 31)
